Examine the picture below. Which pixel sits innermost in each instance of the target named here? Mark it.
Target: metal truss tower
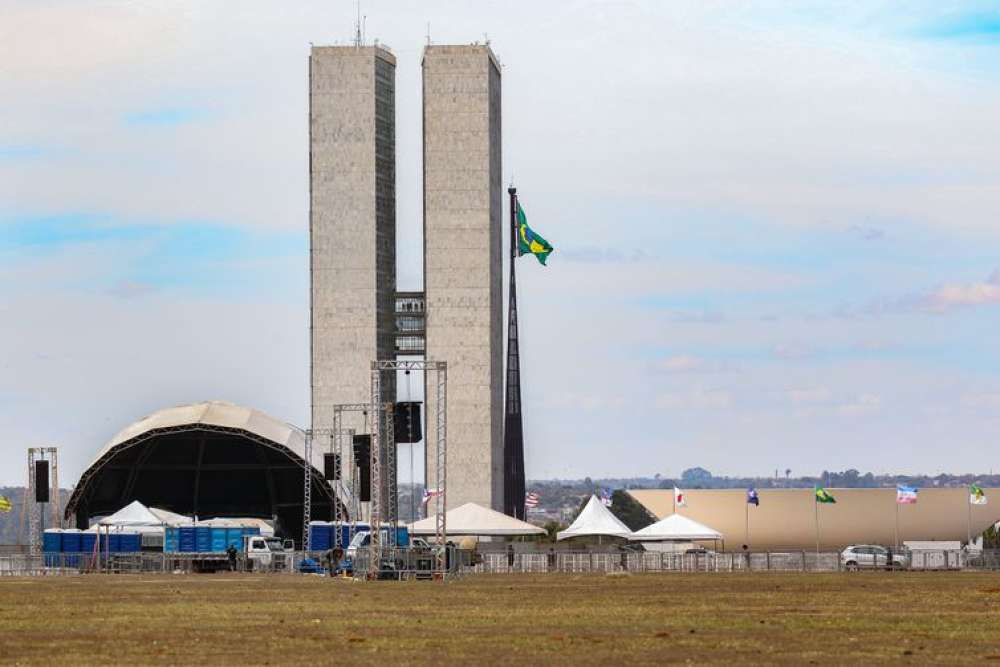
(513, 431)
(30, 509)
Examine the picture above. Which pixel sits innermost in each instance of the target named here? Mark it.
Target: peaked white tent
(678, 528)
(595, 520)
(135, 517)
(473, 519)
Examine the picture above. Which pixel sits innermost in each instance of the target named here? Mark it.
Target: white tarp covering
(171, 518)
(595, 520)
(473, 519)
(676, 527)
(227, 522)
(135, 515)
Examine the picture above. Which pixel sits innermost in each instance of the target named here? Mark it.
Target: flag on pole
(906, 495)
(606, 497)
(680, 500)
(823, 496)
(5, 504)
(528, 242)
(976, 495)
(531, 499)
(430, 493)
(752, 497)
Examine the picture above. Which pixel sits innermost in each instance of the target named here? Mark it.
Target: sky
(776, 223)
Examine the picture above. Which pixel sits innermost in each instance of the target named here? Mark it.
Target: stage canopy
(211, 459)
(595, 520)
(676, 527)
(473, 519)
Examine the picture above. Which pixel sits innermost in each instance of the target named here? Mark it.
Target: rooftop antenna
(428, 33)
(358, 40)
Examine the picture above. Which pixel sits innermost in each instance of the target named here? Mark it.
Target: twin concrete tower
(357, 315)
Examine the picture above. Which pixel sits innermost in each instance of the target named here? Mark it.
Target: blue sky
(776, 223)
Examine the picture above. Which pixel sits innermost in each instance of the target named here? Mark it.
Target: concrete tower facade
(352, 177)
(462, 262)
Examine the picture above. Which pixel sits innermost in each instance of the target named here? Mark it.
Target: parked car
(872, 557)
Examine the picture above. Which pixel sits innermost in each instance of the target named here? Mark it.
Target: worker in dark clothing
(510, 556)
(231, 552)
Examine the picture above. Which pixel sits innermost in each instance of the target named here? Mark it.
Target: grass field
(756, 618)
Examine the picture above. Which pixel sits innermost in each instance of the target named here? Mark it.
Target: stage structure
(43, 488)
(513, 431)
(390, 514)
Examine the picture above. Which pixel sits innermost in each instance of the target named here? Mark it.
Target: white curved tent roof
(215, 413)
(224, 415)
(473, 519)
(676, 527)
(595, 520)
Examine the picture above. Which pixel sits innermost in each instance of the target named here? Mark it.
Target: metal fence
(403, 563)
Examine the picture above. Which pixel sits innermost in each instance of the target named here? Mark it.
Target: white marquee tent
(676, 528)
(595, 520)
(473, 519)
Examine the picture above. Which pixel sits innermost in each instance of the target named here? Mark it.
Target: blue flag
(752, 497)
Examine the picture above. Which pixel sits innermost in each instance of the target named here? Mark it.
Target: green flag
(823, 496)
(976, 495)
(528, 242)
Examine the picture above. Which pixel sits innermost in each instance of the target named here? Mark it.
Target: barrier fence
(401, 563)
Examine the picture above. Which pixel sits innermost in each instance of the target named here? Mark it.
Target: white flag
(680, 500)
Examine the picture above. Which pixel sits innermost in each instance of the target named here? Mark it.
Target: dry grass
(755, 618)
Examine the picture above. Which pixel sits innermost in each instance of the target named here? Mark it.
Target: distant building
(352, 225)
(463, 230)
(786, 518)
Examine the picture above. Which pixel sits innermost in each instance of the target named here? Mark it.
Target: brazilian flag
(528, 242)
(823, 496)
(5, 504)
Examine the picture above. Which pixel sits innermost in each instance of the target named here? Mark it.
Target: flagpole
(968, 502)
(747, 532)
(897, 520)
(816, 509)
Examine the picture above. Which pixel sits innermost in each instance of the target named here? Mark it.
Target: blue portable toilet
(234, 537)
(186, 542)
(218, 541)
(170, 536)
(71, 541)
(320, 535)
(87, 542)
(129, 543)
(203, 538)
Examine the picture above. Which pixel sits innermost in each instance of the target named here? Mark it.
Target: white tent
(135, 517)
(676, 527)
(473, 519)
(595, 520)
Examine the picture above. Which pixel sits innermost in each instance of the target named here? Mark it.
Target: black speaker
(331, 466)
(41, 481)
(363, 460)
(363, 450)
(365, 484)
(406, 421)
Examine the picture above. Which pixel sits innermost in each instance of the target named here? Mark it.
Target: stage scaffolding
(390, 513)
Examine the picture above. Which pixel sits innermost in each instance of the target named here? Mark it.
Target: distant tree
(656, 476)
(694, 476)
(552, 529)
(630, 511)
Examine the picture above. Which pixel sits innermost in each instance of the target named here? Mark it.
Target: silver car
(873, 557)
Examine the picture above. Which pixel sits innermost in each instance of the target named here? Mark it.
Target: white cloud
(809, 395)
(970, 294)
(698, 399)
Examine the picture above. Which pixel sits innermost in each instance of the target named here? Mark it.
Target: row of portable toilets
(205, 539)
(176, 539)
(73, 541)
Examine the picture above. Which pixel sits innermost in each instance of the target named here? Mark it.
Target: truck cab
(264, 553)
